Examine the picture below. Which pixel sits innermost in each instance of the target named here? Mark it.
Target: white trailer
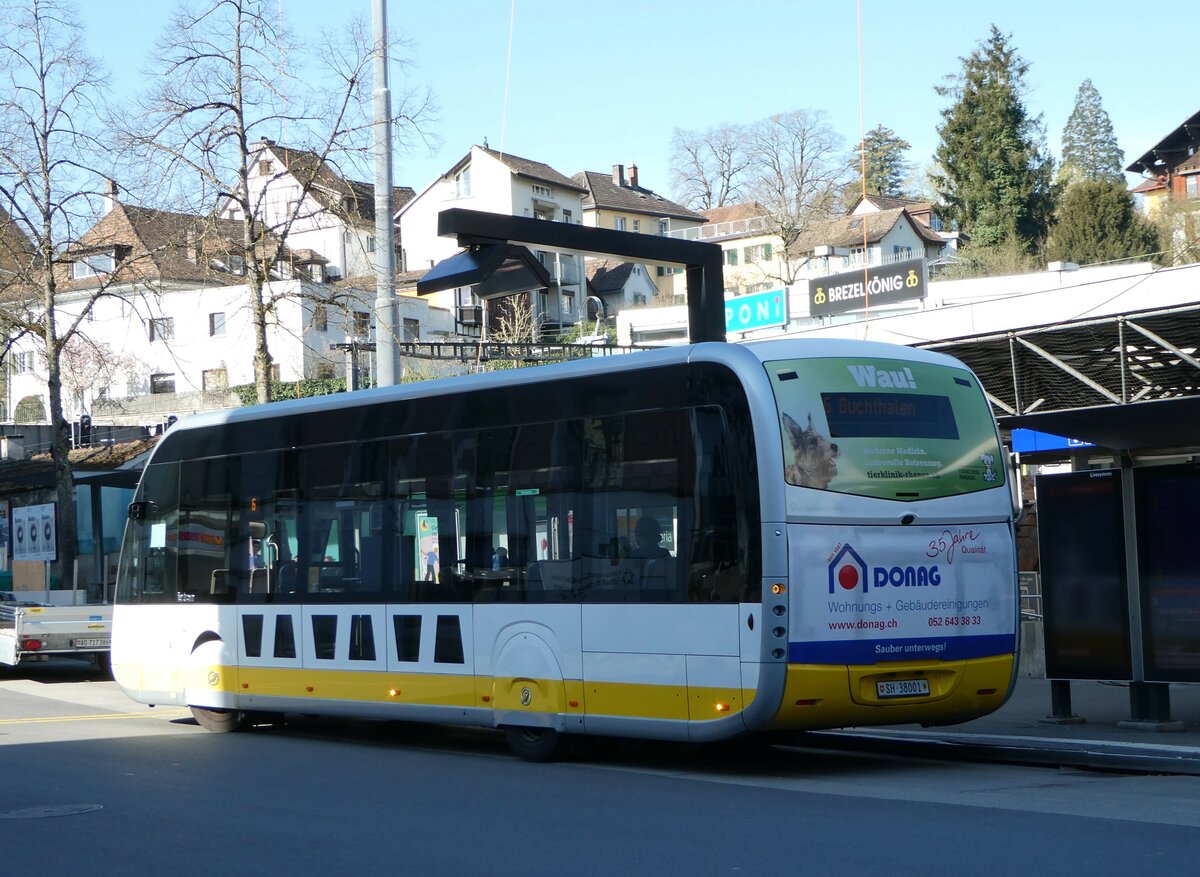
(37, 630)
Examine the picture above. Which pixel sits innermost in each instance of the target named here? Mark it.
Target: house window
(411, 330)
(275, 373)
(321, 318)
(748, 254)
(216, 325)
(162, 329)
(662, 227)
(162, 383)
(639, 298)
(767, 250)
(90, 266)
(543, 191)
(901, 252)
(637, 225)
(462, 183)
(236, 264)
(214, 380)
(266, 167)
(567, 217)
(731, 257)
(1190, 183)
(370, 243)
(619, 223)
(362, 324)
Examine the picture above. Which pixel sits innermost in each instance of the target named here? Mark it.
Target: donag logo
(847, 571)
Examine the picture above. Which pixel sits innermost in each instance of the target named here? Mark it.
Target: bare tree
(90, 368)
(228, 74)
(797, 168)
(708, 168)
(49, 187)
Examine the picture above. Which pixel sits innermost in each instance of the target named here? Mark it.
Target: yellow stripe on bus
(571, 696)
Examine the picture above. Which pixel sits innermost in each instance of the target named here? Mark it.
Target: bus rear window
(889, 415)
(888, 428)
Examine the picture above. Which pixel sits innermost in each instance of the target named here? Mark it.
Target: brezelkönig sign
(851, 291)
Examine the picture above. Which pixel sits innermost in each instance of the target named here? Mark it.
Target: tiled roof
(159, 245)
(848, 231)
(608, 275)
(734, 212)
(604, 194)
(1152, 185)
(1189, 165)
(524, 167)
(330, 188)
(883, 202)
(17, 254)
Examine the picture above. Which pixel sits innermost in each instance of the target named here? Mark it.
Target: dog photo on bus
(814, 456)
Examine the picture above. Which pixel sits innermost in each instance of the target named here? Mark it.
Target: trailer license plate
(902, 688)
(105, 642)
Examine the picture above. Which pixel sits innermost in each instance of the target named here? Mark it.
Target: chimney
(110, 196)
(633, 183)
(619, 175)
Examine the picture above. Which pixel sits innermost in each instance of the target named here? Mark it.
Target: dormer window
(93, 266)
(462, 183)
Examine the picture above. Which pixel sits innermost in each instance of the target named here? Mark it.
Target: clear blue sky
(595, 83)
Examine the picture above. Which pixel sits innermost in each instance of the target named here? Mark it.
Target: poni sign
(854, 290)
(759, 310)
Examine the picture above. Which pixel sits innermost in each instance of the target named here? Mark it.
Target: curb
(1004, 749)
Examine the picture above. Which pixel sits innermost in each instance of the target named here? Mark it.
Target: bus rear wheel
(220, 720)
(534, 744)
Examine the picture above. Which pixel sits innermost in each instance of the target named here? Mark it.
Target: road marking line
(93, 718)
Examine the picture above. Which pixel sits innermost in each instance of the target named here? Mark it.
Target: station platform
(1101, 733)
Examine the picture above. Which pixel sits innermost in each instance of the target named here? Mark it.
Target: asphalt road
(95, 784)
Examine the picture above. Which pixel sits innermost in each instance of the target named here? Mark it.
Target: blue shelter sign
(759, 310)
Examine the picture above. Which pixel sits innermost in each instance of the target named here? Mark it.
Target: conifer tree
(1098, 222)
(995, 176)
(886, 168)
(1090, 150)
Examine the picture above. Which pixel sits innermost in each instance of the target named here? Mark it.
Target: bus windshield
(887, 428)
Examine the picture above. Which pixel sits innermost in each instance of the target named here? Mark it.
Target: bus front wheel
(220, 720)
(533, 744)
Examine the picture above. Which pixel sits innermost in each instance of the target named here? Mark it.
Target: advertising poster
(1169, 569)
(873, 594)
(429, 567)
(1085, 595)
(33, 532)
(5, 542)
(885, 428)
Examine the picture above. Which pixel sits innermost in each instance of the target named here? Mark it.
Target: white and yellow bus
(684, 544)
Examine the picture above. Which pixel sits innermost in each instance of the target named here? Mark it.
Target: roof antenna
(512, 22)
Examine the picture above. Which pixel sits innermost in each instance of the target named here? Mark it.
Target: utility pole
(385, 249)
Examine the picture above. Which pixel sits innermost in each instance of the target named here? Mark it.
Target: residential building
(496, 182)
(299, 195)
(1173, 162)
(620, 284)
(173, 329)
(618, 202)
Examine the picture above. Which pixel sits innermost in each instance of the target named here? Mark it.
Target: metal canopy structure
(476, 231)
(494, 270)
(1127, 382)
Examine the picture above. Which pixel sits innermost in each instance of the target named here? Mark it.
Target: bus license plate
(902, 688)
(102, 643)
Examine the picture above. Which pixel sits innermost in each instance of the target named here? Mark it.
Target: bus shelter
(1119, 562)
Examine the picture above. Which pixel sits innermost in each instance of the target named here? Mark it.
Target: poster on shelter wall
(34, 532)
(5, 550)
